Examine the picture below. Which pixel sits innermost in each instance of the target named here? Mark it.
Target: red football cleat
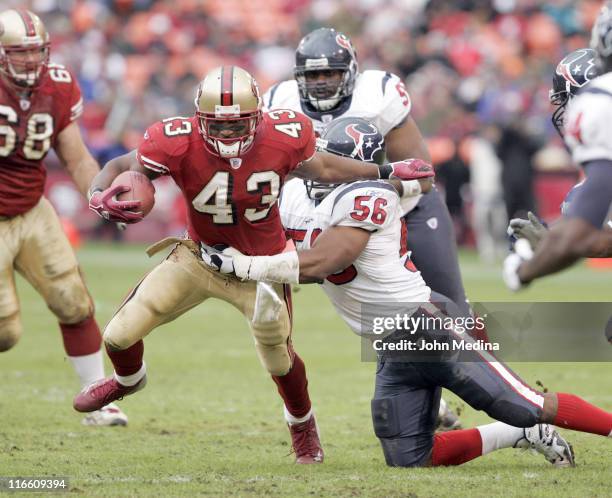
(305, 442)
(103, 392)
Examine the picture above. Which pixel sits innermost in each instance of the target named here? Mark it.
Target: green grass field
(210, 423)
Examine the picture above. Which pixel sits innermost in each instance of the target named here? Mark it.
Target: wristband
(385, 171)
(411, 188)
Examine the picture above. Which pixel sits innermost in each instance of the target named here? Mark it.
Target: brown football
(142, 190)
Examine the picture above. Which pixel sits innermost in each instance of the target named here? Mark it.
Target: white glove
(282, 268)
(512, 263)
(217, 258)
(532, 229)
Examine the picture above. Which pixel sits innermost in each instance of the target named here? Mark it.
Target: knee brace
(67, 297)
(10, 331)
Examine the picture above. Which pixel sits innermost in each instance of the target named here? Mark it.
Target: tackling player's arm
(334, 250)
(406, 141)
(75, 157)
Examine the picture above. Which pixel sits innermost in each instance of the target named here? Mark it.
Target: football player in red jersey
(39, 105)
(230, 161)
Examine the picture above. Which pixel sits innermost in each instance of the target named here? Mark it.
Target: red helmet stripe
(352, 131)
(227, 79)
(27, 20)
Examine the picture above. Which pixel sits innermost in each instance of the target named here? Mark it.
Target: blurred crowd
(478, 72)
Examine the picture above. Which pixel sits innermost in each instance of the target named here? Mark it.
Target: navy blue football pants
(407, 396)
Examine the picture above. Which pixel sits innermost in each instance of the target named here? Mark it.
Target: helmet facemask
(559, 100)
(230, 135)
(24, 66)
(324, 88)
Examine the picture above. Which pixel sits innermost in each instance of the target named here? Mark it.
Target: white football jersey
(383, 272)
(588, 121)
(378, 96)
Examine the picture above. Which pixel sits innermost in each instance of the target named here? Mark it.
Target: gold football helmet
(24, 47)
(228, 107)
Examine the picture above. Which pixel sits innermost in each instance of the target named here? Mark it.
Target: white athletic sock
(89, 367)
(132, 380)
(499, 435)
(295, 420)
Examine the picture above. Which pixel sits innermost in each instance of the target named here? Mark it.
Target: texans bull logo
(572, 65)
(344, 42)
(365, 146)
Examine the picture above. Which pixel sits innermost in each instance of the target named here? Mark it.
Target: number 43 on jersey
(216, 197)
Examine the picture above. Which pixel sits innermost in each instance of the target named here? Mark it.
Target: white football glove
(282, 268)
(217, 259)
(512, 263)
(531, 229)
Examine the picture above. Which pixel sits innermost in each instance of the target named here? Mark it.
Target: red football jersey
(232, 201)
(28, 129)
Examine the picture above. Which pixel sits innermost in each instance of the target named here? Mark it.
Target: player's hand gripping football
(105, 203)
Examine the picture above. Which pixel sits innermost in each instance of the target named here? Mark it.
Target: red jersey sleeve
(305, 148)
(151, 154)
(67, 94)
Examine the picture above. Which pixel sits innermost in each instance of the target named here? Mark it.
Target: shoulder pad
(371, 205)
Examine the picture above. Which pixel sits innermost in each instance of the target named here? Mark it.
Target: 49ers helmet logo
(366, 143)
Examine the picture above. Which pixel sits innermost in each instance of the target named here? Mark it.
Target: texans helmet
(24, 48)
(325, 50)
(573, 72)
(351, 137)
(601, 39)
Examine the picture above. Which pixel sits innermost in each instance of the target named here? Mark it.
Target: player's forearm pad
(283, 268)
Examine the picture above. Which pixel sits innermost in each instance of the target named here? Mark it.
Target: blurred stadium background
(478, 72)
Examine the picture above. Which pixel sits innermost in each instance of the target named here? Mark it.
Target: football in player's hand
(141, 189)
